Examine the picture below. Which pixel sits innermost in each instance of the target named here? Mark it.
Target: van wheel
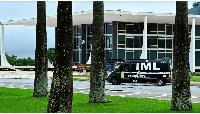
(160, 82)
(114, 81)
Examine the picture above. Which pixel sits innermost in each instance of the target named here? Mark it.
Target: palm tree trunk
(97, 77)
(41, 65)
(181, 96)
(61, 93)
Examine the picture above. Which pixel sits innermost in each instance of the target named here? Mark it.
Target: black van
(142, 71)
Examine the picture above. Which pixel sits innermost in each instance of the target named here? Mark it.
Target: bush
(195, 74)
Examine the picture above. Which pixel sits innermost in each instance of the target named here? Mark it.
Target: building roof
(86, 17)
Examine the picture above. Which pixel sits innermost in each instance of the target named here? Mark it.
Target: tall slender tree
(97, 76)
(41, 79)
(61, 93)
(181, 96)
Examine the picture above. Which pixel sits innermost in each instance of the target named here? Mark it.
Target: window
(130, 28)
(161, 55)
(169, 43)
(137, 54)
(88, 30)
(121, 54)
(121, 39)
(133, 66)
(79, 31)
(152, 41)
(151, 28)
(197, 29)
(89, 41)
(169, 56)
(121, 26)
(169, 30)
(161, 43)
(108, 54)
(197, 42)
(129, 43)
(129, 55)
(197, 56)
(108, 42)
(138, 42)
(161, 27)
(153, 54)
(138, 28)
(108, 28)
(74, 43)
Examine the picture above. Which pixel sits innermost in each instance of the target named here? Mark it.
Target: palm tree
(97, 77)
(61, 93)
(181, 96)
(41, 79)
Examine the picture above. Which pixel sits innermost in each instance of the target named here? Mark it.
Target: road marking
(122, 95)
(194, 97)
(21, 86)
(9, 85)
(80, 88)
(2, 84)
(25, 88)
(164, 95)
(136, 93)
(81, 91)
(129, 94)
(150, 97)
(157, 96)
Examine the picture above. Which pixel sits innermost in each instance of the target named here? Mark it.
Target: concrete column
(83, 46)
(192, 47)
(144, 46)
(2, 45)
(114, 39)
(4, 61)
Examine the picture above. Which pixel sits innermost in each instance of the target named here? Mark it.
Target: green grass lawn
(195, 79)
(81, 76)
(13, 100)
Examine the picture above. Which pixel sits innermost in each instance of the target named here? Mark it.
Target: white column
(144, 46)
(2, 45)
(192, 47)
(4, 61)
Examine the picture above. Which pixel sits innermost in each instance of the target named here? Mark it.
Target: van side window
(125, 68)
(133, 67)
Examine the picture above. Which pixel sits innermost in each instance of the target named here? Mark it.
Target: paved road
(123, 90)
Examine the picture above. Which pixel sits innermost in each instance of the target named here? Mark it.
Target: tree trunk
(61, 93)
(41, 65)
(97, 77)
(181, 96)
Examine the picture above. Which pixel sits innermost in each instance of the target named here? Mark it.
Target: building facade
(124, 40)
(128, 35)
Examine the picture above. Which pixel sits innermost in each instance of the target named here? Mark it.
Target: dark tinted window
(130, 29)
(121, 26)
(151, 28)
(133, 67)
(108, 28)
(129, 43)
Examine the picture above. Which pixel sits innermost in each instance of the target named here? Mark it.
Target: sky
(21, 40)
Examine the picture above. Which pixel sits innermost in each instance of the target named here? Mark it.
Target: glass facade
(128, 40)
